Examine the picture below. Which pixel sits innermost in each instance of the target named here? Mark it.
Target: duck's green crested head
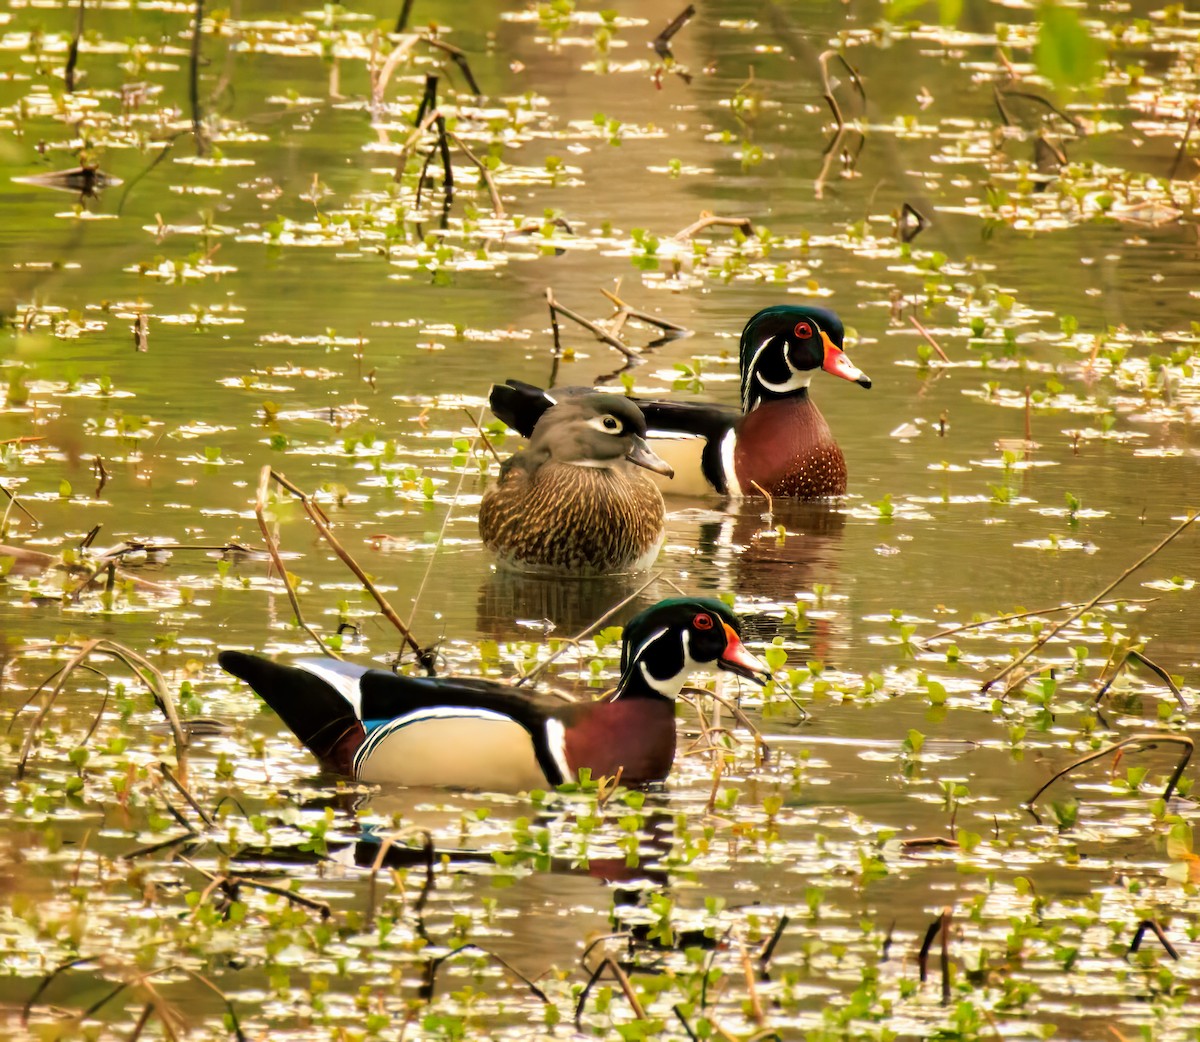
(664, 643)
(781, 348)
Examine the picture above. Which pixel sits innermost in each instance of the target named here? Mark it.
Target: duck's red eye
(703, 622)
(803, 330)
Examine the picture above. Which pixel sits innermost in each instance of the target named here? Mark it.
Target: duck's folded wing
(701, 419)
(386, 696)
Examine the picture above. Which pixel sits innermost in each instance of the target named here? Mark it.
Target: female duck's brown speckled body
(575, 501)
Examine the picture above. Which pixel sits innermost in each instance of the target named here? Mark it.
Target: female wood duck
(778, 442)
(574, 502)
(479, 734)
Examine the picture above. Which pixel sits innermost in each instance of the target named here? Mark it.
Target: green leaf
(1066, 53)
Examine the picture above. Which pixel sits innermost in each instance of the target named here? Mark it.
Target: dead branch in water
(1014, 616)
(1088, 605)
(708, 220)
(1151, 665)
(138, 665)
(628, 311)
(322, 523)
(1147, 740)
(602, 335)
(260, 512)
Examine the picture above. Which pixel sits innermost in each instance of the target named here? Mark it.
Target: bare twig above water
(459, 57)
(73, 53)
(600, 334)
(484, 172)
(1145, 740)
(322, 523)
(708, 220)
(1183, 143)
(385, 845)
(940, 925)
(910, 223)
(231, 883)
(14, 501)
(1154, 667)
(194, 79)
(436, 964)
(1088, 605)
(260, 512)
(610, 964)
(628, 310)
(402, 18)
(661, 43)
(1015, 616)
(828, 87)
(928, 337)
(144, 670)
(1154, 928)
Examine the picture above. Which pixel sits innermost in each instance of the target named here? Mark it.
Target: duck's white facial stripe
(797, 378)
(647, 642)
(344, 685)
(728, 444)
(556, 742)
(670, 686)
(637, 657)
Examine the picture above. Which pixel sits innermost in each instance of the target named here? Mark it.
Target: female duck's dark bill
(644, 456)
(736, 659)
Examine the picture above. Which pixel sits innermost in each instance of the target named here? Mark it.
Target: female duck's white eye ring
(803, 330)
(703, 622)
(611, 423)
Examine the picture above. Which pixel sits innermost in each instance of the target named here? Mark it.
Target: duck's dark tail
(520, 405)
(309, 698)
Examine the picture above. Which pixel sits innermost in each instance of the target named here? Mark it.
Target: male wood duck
(575, 501)
(479, 734)
(777, 443)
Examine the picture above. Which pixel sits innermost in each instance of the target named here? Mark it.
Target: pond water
(301, 308)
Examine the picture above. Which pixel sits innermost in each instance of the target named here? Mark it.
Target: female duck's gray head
(596, 430)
